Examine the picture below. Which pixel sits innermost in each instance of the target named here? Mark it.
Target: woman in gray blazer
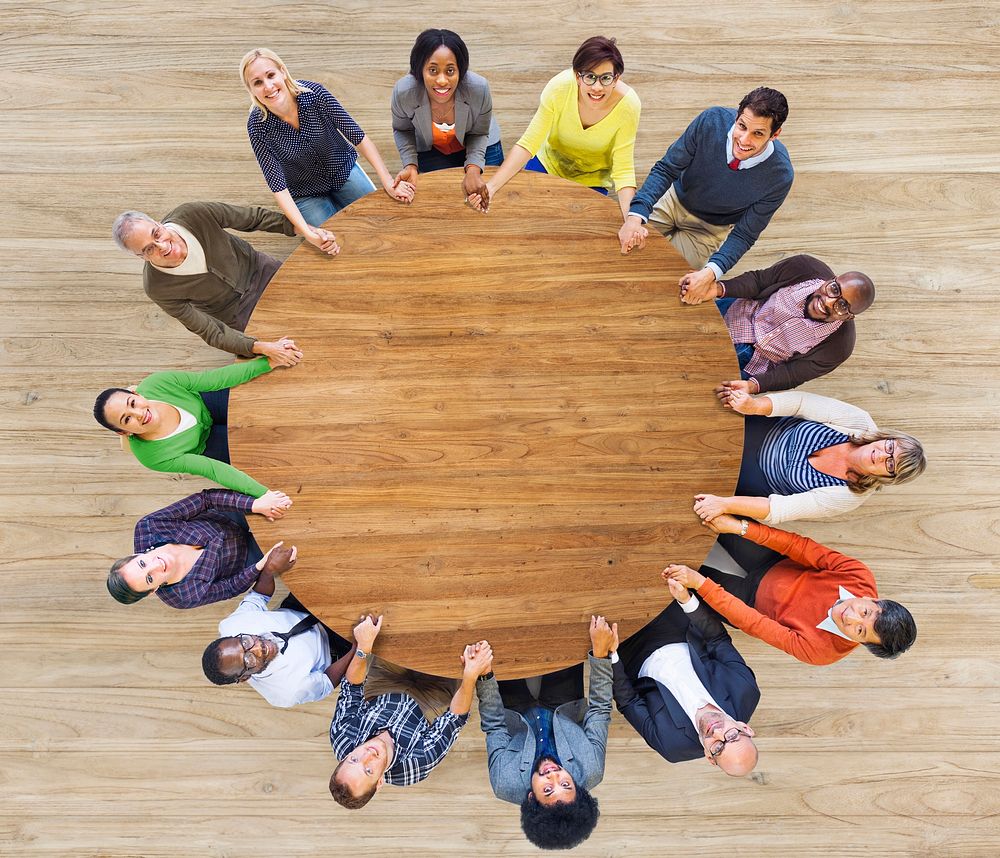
(442, 113)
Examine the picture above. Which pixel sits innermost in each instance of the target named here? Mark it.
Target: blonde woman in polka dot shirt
(307, 146)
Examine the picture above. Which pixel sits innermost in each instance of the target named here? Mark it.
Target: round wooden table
(498, 427)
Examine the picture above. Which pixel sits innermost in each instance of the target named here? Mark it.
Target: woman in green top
(175, 423)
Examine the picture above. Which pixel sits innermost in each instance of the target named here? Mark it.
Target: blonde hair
(293, 85)
(910, 461)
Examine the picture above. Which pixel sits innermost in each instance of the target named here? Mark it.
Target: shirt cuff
(691, 605)
(614, 657)
(641, 217)
(716, 269)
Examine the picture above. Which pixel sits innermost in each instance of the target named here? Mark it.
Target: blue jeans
(217, 443)
(318, 210)
(539, 167)
(431, 160)
(744, 351)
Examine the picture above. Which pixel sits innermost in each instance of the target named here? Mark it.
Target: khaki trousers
(432, 693)
(693, 238)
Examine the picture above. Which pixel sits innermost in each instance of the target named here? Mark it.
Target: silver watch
(360, 653)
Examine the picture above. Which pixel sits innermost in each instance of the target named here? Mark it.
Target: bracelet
(744, 526)
(722, 286)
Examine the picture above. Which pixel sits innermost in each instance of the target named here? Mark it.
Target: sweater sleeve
(763, 628)
(815, 504)
(541, 123)
(748, 229)
(211, 469)
(807, 552)
(220, 378)
(598, 717)
(247, 218)
(213, 331)
(623, 151)
(839, 415)
(785, 272)
(665, 171)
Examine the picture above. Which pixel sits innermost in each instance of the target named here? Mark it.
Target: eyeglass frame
(612, 75)
(837, 291)
(732, 735)
(246, 652)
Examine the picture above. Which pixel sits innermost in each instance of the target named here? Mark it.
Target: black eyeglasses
(731, 735)
(833, 290)
(590, 78)
(249, 659)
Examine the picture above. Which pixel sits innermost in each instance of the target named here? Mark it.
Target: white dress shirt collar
(749, 162)
(828, 625)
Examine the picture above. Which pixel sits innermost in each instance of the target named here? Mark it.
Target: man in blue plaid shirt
(387, 739)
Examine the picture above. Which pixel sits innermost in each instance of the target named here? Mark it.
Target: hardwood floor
(114, 743)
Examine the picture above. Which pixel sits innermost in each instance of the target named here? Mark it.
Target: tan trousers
(694, 239)
(432, 693)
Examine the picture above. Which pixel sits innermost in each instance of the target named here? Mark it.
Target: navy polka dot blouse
(313, 160)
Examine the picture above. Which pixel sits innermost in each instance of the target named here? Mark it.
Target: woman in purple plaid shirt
(196, 551)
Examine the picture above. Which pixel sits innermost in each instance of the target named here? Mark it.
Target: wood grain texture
(498, 427)
(115, 745)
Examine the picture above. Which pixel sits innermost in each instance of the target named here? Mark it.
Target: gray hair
(124, 224)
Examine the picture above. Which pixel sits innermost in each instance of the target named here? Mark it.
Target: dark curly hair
(210, 664)
(766, 103)
(563, 825)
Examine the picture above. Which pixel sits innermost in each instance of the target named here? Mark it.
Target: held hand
(401, 191)
(477, 659)
(737, 396)
(724, 524)
(632, 234)
(278, 560)
(366, 631)
(684, 575)
(602, 636)
(283, 352)
(707, 507)
(409, 175)
(322, 240)
(481, 201)
(271, 505)
(698, 286)
(680, 593)
(473, 183)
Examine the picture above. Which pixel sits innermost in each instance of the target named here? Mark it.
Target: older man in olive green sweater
(203, 276)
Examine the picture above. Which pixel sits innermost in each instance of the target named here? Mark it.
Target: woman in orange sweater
(814, 603)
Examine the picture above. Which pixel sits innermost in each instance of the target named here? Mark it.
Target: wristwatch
(360, 653)
(485, 677)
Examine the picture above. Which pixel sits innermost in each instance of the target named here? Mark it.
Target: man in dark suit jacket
(683, 686)
(797, 324)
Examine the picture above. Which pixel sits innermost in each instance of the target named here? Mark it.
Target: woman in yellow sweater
(584, 129)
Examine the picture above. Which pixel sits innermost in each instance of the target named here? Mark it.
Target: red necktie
(734, 164)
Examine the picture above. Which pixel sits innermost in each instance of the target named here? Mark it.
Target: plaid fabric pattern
(778, 328)
(219, 573)
(419, 746)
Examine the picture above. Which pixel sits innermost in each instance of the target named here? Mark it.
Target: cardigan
(819, 360)
(601, 156)
(841, 417)
(794, 596)
(476, 127)
(207, 304)
(181, 452)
